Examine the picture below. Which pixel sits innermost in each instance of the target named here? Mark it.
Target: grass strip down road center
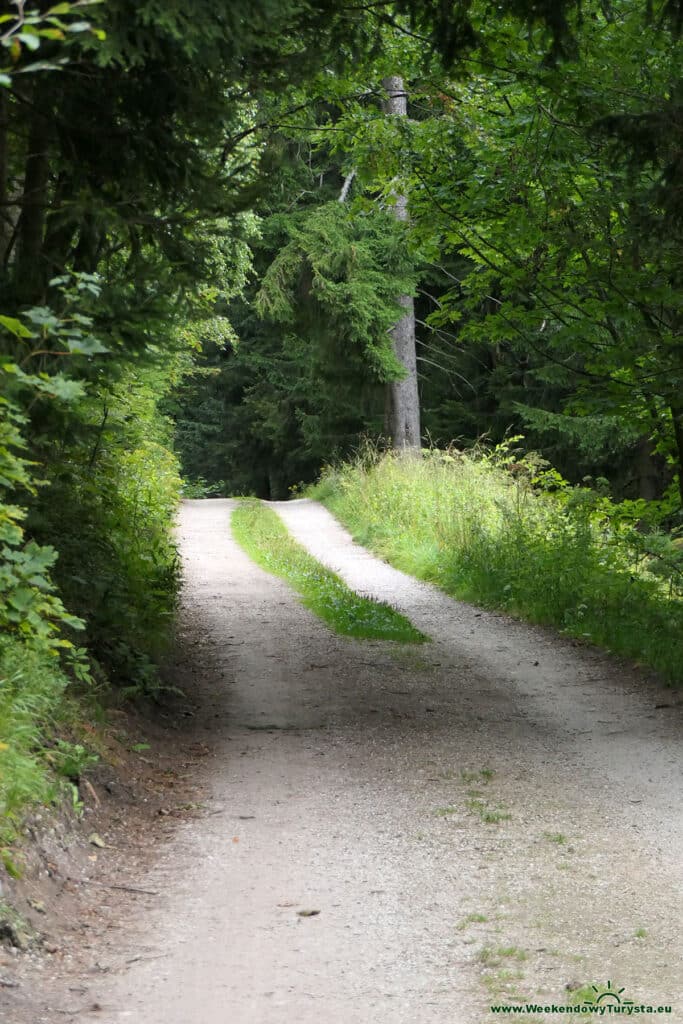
(265, 538)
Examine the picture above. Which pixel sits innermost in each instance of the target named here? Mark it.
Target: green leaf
(43, 316)
(15, 327)
(42, 65)
(30, 41)
(86, 346)
(21, 599)
(62, 388)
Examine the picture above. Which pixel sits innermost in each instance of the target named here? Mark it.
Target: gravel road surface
(402, 834)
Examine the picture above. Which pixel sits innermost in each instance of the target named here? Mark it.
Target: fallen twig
(91, 789)
(128, 888)
(111, 885)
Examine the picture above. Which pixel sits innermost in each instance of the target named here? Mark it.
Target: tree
(508, 324)
(403, 405)
(552, 186)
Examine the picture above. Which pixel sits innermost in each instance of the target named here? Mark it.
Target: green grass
(556, 837)
(264, 537)
(488, 814)
(31, 694)
(485, 535)
(495, 957)
(471, 919)
(37, 767)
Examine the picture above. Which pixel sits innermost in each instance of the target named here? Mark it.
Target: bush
(110, 508)
(88, 492)
(36, 648)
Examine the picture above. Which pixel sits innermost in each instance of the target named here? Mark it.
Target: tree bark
(30, 272)
(348, 181)
(405, 399)
(403, 395)
(86, 253)
(647, 472)
(677, 416)
(5, 224)
(60, 229)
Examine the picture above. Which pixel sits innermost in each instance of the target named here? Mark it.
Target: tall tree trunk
(30, 272)
(647, 472)
(60, 229)
(677, 416)
(404, 418)
(10, 190)
(5, 223)
(87, 251)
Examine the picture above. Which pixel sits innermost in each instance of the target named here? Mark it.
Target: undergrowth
(109, 511)
(512, 535)
(88, 568)
(31, 688)
(35, 768)
(265, 538)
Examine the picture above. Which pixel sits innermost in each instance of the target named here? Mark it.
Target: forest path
(354, 778)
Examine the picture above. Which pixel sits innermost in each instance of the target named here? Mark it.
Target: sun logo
(606, 995)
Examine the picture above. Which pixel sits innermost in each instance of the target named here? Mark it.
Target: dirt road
(494, 815)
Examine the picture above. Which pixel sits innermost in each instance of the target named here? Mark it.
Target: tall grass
(265, 538)
(487, 535)
(32, 689)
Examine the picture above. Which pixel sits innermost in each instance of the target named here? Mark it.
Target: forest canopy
(541, 164)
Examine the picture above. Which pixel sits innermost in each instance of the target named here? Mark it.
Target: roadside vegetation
(88, 625)
(266, 540)
(510, 534)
